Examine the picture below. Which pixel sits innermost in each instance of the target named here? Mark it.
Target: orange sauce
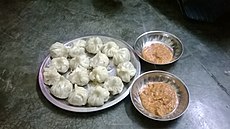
(157, 53)
(159, 98)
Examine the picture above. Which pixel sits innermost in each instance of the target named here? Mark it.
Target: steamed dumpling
(110, 48)
(99, 74)
(79, 76)
(62, 88)
(80, 60)
(122, 55)
(61, 64)
(79, 43)
(98, 96)
(78, 96)
(94, 45)
(93, 84)
(114, 85)
(58, 50)
(99, 59)
(78, 48)
(126, 71)
(51, 75)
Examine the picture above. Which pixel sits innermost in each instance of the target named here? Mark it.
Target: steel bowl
(168, 39)
(160, 76)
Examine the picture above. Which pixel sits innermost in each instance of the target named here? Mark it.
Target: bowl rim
(164, 32)
(164, 72)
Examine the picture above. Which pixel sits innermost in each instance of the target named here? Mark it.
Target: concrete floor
(28, 28)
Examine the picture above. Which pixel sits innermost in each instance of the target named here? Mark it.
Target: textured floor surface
(28, 28)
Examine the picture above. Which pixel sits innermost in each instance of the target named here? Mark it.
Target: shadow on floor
(217, 31)
(172, 11)
(107, 6)
(149, 67)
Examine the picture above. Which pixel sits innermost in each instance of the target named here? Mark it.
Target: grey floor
(28, 28)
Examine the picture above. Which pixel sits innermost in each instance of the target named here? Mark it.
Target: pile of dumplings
(80, 73)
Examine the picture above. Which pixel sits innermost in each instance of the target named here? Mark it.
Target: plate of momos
(89, 73)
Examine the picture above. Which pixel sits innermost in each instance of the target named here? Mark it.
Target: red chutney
(157, 53)
(159, 98)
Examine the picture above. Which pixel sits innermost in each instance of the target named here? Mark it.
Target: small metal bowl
(168, 39)
(160, 76)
